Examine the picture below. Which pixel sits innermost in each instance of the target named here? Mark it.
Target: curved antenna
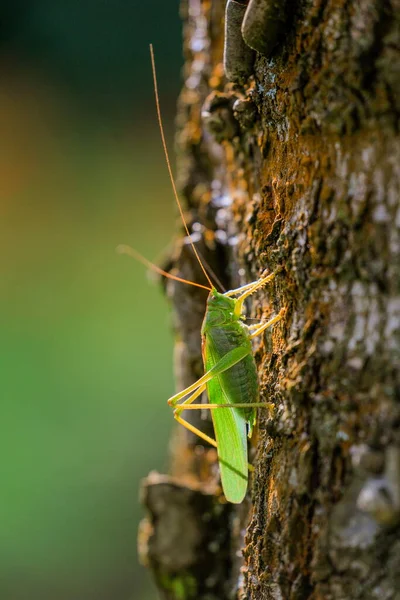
(124, 249)
(164, 143)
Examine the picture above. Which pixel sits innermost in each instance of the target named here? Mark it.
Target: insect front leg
(251, 287)
(248, 290)
(265, 326)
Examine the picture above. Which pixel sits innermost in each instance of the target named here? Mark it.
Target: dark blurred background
(86, 346)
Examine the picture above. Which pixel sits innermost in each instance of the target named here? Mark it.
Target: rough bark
(295, 168)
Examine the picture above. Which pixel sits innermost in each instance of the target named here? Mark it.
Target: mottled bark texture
(294, 168)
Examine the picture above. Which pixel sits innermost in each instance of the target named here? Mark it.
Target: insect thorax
(220, 311)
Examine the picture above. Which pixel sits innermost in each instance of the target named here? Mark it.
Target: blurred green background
(86, 346)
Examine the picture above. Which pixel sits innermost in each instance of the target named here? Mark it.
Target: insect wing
(231, 435)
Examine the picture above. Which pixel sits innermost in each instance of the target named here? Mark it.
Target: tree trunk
(293, 167)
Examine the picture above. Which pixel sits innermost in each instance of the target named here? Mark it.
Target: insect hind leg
(196, 431)
(185, 405)
(226, 362)
(188, 404)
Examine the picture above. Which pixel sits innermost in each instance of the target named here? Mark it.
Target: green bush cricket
(230, 377)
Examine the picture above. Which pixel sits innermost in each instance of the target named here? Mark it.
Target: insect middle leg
(265, 326)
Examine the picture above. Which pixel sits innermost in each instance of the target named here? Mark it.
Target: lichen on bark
(296, 169)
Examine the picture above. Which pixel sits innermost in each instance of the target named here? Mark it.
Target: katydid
(230, 377)
(232, 384)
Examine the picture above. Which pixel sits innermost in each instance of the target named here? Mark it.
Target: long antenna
(164, 143)
(124, 249)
